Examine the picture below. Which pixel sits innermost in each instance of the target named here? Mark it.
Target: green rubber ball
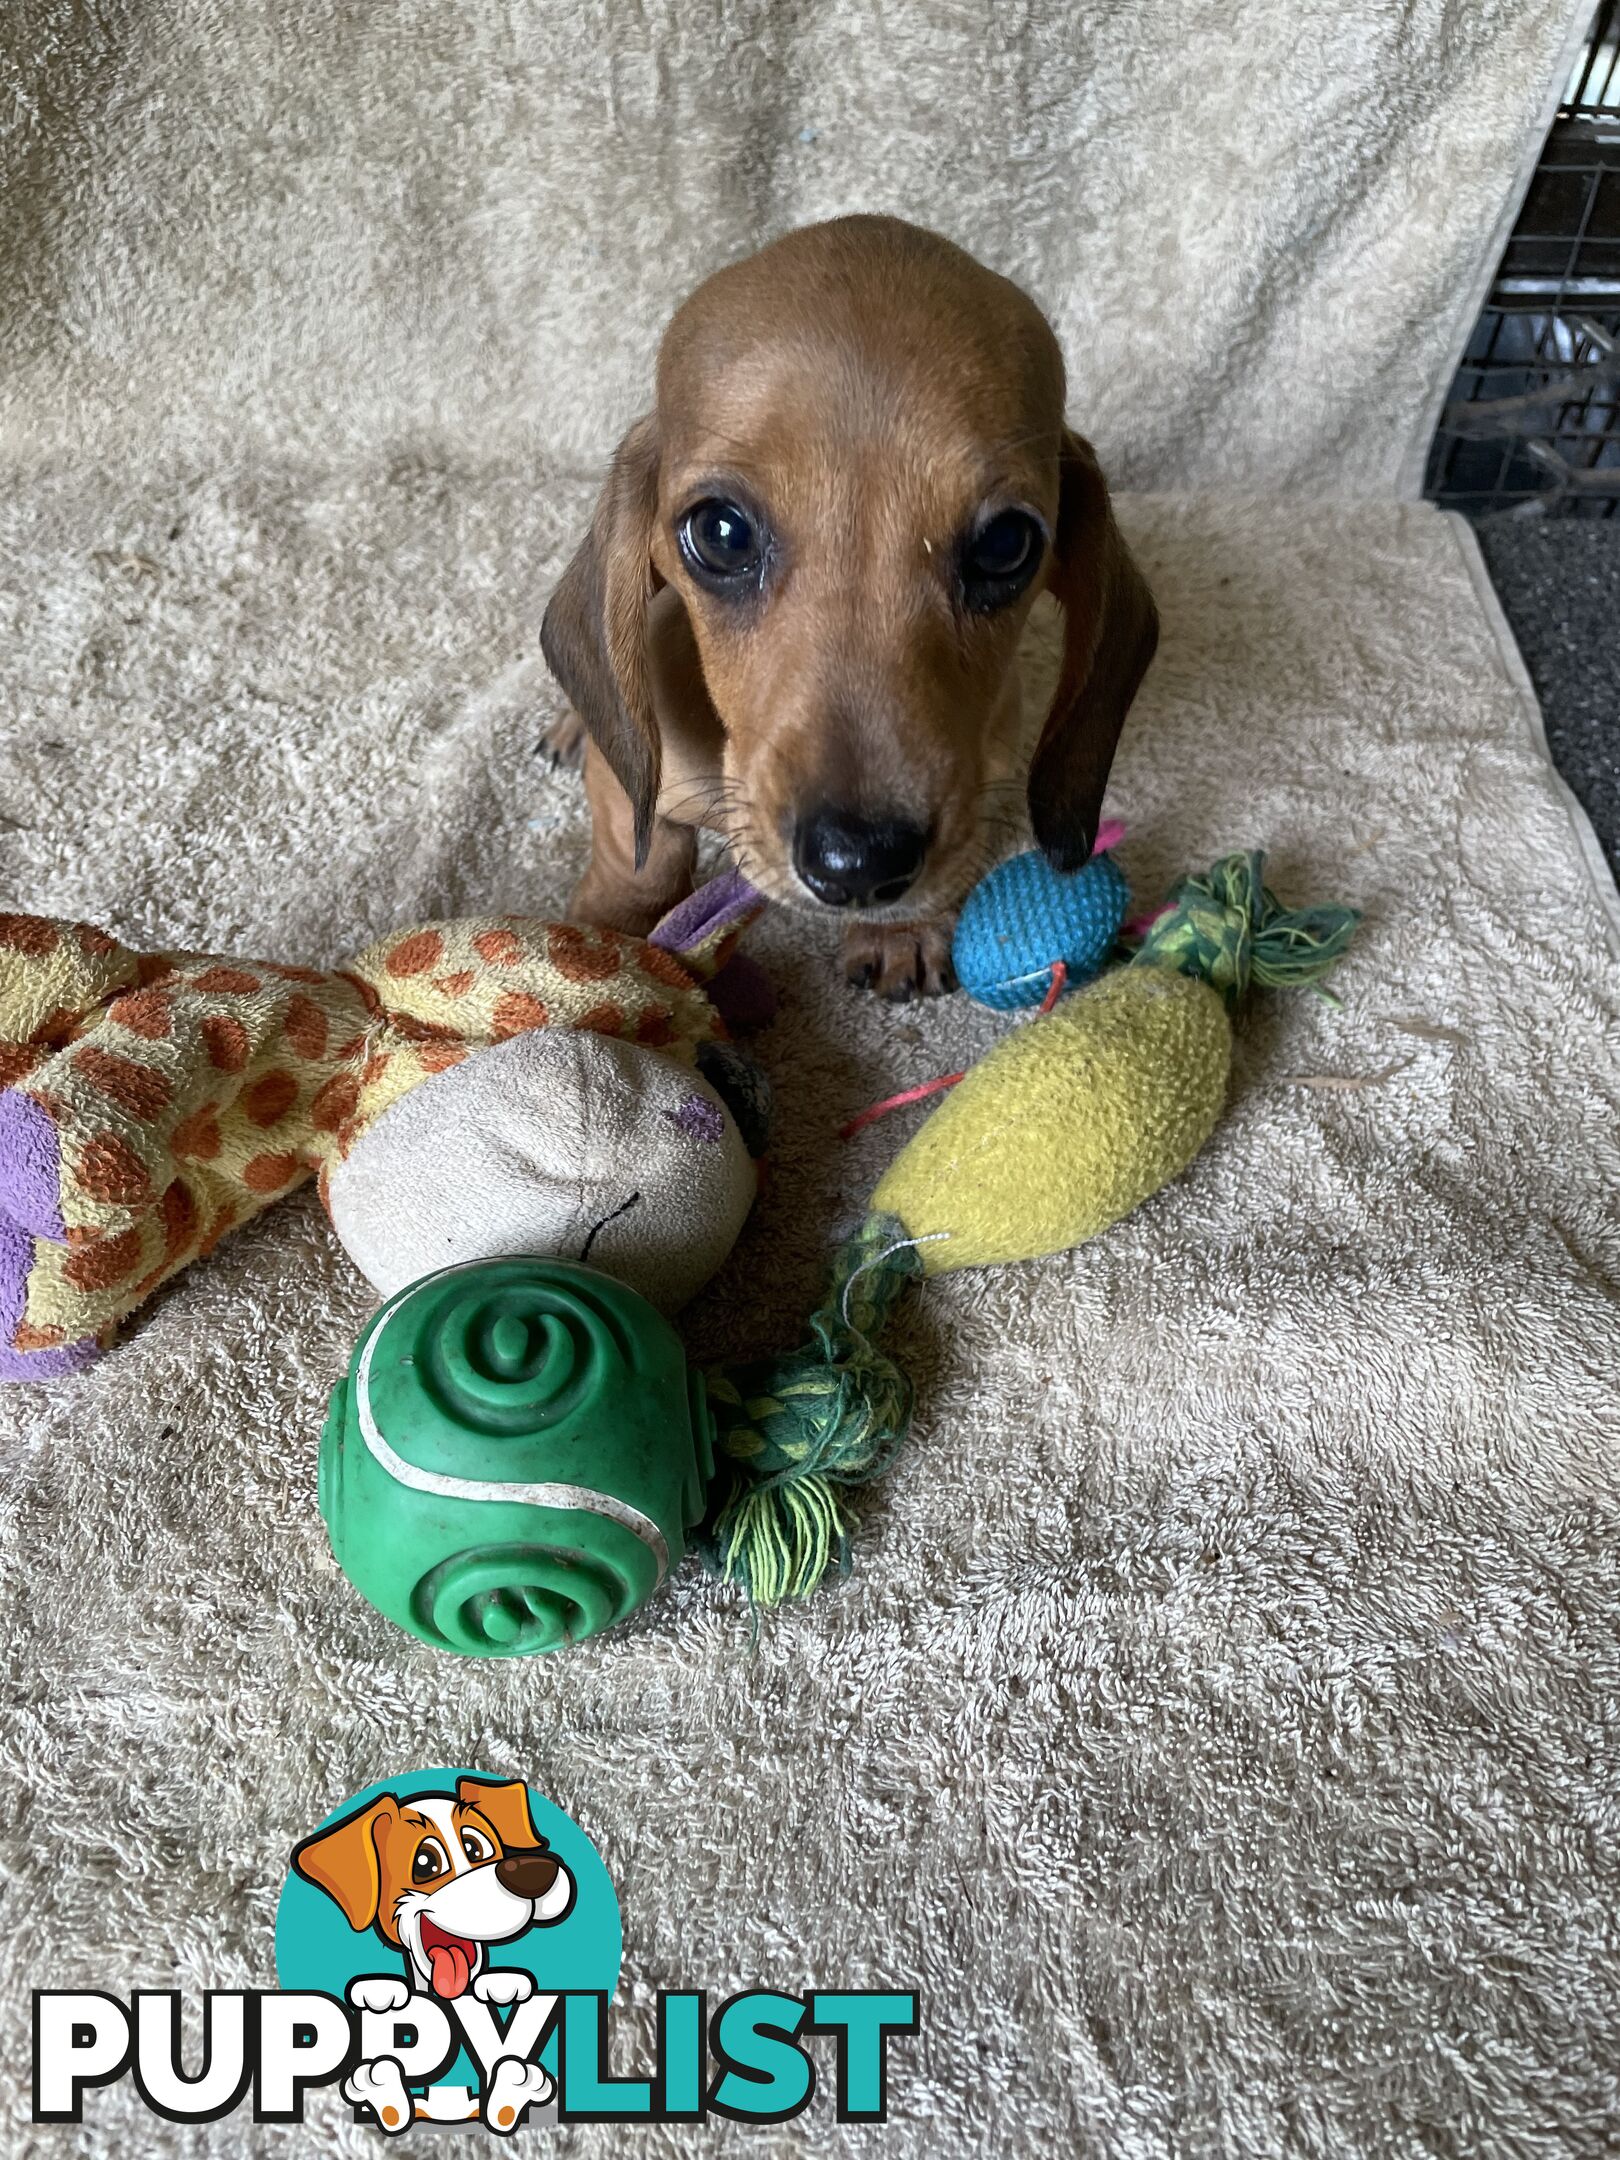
(515, 1457)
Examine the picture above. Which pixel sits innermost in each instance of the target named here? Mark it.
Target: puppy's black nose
(848, 860)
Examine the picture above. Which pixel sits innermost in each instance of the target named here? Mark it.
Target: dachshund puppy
(795, 618)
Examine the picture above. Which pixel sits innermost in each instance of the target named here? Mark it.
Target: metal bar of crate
(1532, 425)
(1586, 96)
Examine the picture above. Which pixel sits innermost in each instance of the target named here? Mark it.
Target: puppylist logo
(447, 1947)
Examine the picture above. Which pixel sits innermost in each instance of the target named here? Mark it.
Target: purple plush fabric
(742, 991)
(30, 1207)
(721, 901)
(699, 1119)
(16, 1258)
(30, 1167)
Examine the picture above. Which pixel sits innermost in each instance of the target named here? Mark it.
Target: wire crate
(1532, 424)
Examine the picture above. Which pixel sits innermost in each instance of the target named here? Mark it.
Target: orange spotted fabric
(185, 1092)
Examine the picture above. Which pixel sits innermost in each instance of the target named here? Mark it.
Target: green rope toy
(794, 1433)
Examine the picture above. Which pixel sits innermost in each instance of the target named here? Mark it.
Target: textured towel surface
(1219, 1725)
(1260, 228)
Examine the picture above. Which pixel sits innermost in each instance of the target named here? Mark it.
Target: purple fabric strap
(741, 991)
(709, 909)
(30, 1167)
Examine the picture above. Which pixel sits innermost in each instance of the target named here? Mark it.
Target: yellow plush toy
(1073, 1120)
(1067, 1125)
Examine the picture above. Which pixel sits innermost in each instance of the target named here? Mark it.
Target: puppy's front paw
(562, 741)
(900, 960)
(503, 1984)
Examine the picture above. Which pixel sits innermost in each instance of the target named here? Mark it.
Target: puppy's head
(855, 480)
(440, 1875)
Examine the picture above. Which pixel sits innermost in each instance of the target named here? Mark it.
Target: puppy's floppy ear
(1110, 632)
(343, 1861)
(594, 633)
(506, 1806)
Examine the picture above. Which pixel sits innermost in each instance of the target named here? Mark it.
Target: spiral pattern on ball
(517, 1600)
(518, 1356)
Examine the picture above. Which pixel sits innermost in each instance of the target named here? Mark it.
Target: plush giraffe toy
(150, 1103)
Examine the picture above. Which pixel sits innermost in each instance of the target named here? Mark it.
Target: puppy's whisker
(1008, 446)
(698, 795)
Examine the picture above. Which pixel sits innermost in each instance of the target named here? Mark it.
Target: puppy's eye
(1000, 559)
(429, 1861)
(476, 1846)
(720, 541)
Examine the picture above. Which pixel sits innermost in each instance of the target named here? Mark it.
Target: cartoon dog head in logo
(441, 1875)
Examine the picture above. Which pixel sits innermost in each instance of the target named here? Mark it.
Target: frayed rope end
(1228, 928)
(795, 1433)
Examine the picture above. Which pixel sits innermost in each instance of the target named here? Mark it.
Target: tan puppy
(796, 615)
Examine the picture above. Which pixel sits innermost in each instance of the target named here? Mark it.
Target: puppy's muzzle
(846, 860)
(526, 1874)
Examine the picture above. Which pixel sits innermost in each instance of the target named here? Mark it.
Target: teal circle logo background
(317, 1949)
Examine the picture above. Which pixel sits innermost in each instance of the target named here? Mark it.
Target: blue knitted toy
(1023, 918)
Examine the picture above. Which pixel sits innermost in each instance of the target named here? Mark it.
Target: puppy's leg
(901, 960)
(613, 892)
(563, 739)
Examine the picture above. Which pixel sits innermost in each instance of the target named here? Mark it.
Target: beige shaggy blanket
(1218, 1727)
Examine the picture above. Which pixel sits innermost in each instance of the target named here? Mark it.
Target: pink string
(870, 1116)
(863, 1118)
(1060, 977)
